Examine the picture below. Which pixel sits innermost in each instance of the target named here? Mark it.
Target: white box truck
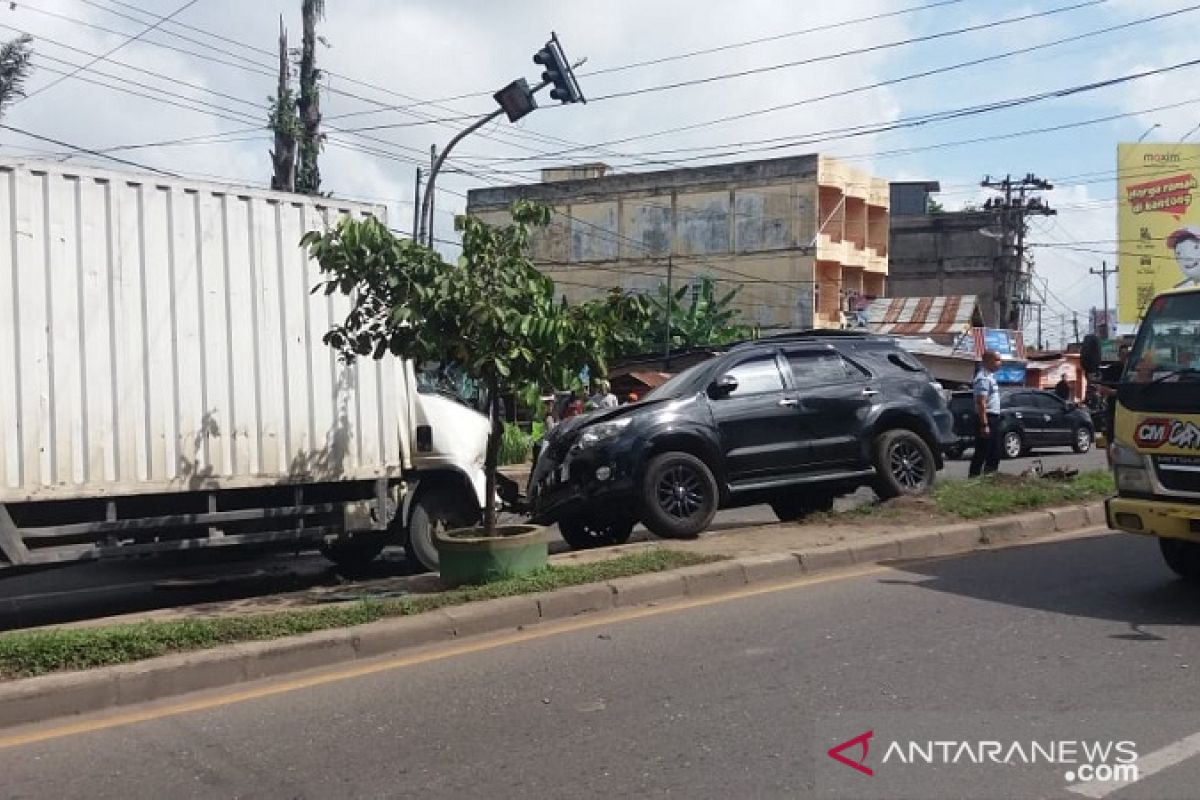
(164, 386)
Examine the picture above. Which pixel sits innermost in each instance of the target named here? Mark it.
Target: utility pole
(667, 321)
(416, 205)
(1010, 279)
(1103, 272)
(432, 199)
(1039, 327)
(1075, 323)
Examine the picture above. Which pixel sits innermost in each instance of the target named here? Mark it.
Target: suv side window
(757, 376)
(1018, 400)
(821, 368)
(1048, 403)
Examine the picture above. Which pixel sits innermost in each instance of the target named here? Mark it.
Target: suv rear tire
(583, 533)
(904, 464)
(1081, 439)
(1012, 444)
(679, 496)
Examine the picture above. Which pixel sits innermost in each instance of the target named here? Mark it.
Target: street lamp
(1149, 131)
(515, 100)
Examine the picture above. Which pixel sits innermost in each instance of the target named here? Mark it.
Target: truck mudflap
(1154, 517)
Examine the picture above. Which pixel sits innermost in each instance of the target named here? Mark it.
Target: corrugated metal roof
(921, 316)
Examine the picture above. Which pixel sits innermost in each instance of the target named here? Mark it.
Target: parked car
(793, 421)
(1029, 418)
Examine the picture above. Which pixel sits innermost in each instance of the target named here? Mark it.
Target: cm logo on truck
(1151, 433)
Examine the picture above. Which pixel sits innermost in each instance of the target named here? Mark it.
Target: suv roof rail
(817, 333)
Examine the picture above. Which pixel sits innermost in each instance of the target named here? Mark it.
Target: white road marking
(1147, 765)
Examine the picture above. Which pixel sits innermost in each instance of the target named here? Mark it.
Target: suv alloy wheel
(679, 496)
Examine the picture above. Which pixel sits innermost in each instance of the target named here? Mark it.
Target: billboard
(1158, 222)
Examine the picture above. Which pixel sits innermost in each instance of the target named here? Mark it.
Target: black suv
(792, 421)
(1028, 418)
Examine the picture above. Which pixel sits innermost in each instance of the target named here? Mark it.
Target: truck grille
(1178, 473)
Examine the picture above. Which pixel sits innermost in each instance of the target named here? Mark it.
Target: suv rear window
(819, 368)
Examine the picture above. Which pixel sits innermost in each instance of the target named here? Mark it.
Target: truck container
(164, 384)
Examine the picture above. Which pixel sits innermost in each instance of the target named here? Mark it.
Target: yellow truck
(1155, 452)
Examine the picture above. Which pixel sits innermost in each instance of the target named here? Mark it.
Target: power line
(862, 88)
(765, 39)
(124, 43)
(61, 143)
(845, 53)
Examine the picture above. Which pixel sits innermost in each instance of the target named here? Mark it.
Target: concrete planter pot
(466, 557)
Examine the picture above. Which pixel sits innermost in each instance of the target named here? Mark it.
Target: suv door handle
(869, 392)
(790, 402)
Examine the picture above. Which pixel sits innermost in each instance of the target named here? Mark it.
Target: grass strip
(25, 654)
(1005, 494)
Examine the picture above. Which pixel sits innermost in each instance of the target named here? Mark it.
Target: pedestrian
(1063, 389)
(574, 406)
(603, 398)
(1110, 375)
(987, 412)
(548, 419)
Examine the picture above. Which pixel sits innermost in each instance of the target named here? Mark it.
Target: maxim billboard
(1158, 222)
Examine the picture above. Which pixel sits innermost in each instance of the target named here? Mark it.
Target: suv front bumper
(593, 482)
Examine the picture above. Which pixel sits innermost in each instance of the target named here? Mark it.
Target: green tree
(491, 312)
(308, 173)
(284, 121)
(16, 59)
(697, 317)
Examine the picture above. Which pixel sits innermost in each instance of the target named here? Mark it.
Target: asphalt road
(92, 590)
(1077, 641)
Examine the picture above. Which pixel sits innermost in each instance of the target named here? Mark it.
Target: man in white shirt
(604, 398)
(987, 411)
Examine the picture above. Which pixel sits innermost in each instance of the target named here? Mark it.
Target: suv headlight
(1129, 468)
(597, 433)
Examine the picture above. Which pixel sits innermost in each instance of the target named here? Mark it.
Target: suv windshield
(678, 385)
(1168, 342)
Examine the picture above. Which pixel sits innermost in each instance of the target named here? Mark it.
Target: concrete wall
(944, 254)
(750, 225)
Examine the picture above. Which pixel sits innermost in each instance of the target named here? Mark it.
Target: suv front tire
(679, 496)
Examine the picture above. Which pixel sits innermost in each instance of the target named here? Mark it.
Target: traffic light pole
(425, 234)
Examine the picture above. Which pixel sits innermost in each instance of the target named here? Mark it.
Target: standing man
(987, 410)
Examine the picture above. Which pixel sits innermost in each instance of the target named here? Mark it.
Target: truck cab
(1155, 453)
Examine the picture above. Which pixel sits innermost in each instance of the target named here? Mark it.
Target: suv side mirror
(723, 387)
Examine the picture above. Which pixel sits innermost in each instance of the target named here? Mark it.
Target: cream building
(803, 236)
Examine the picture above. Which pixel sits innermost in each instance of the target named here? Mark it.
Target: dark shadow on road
(1115, 577)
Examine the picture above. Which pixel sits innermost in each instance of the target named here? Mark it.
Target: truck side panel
(158, 335)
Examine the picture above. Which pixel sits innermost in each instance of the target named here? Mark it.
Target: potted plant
(492, 313)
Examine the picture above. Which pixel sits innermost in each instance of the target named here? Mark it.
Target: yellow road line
(376, 666)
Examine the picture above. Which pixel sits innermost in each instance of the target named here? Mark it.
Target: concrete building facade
(799, 235)
(936, 253)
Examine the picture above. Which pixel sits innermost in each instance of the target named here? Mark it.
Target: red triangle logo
(863, 740)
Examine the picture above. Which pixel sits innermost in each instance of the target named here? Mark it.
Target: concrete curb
(52, 696)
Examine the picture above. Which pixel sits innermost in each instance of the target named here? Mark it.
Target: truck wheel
(1081, 441)
(436, 508)
(1182, 557)
(679, 495)
(355, 551)
(582, 533)
(904, 464)
(791, 508)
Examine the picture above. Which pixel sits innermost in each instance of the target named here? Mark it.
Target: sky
(401, 75)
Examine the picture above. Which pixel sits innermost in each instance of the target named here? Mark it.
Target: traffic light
(558, 73)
